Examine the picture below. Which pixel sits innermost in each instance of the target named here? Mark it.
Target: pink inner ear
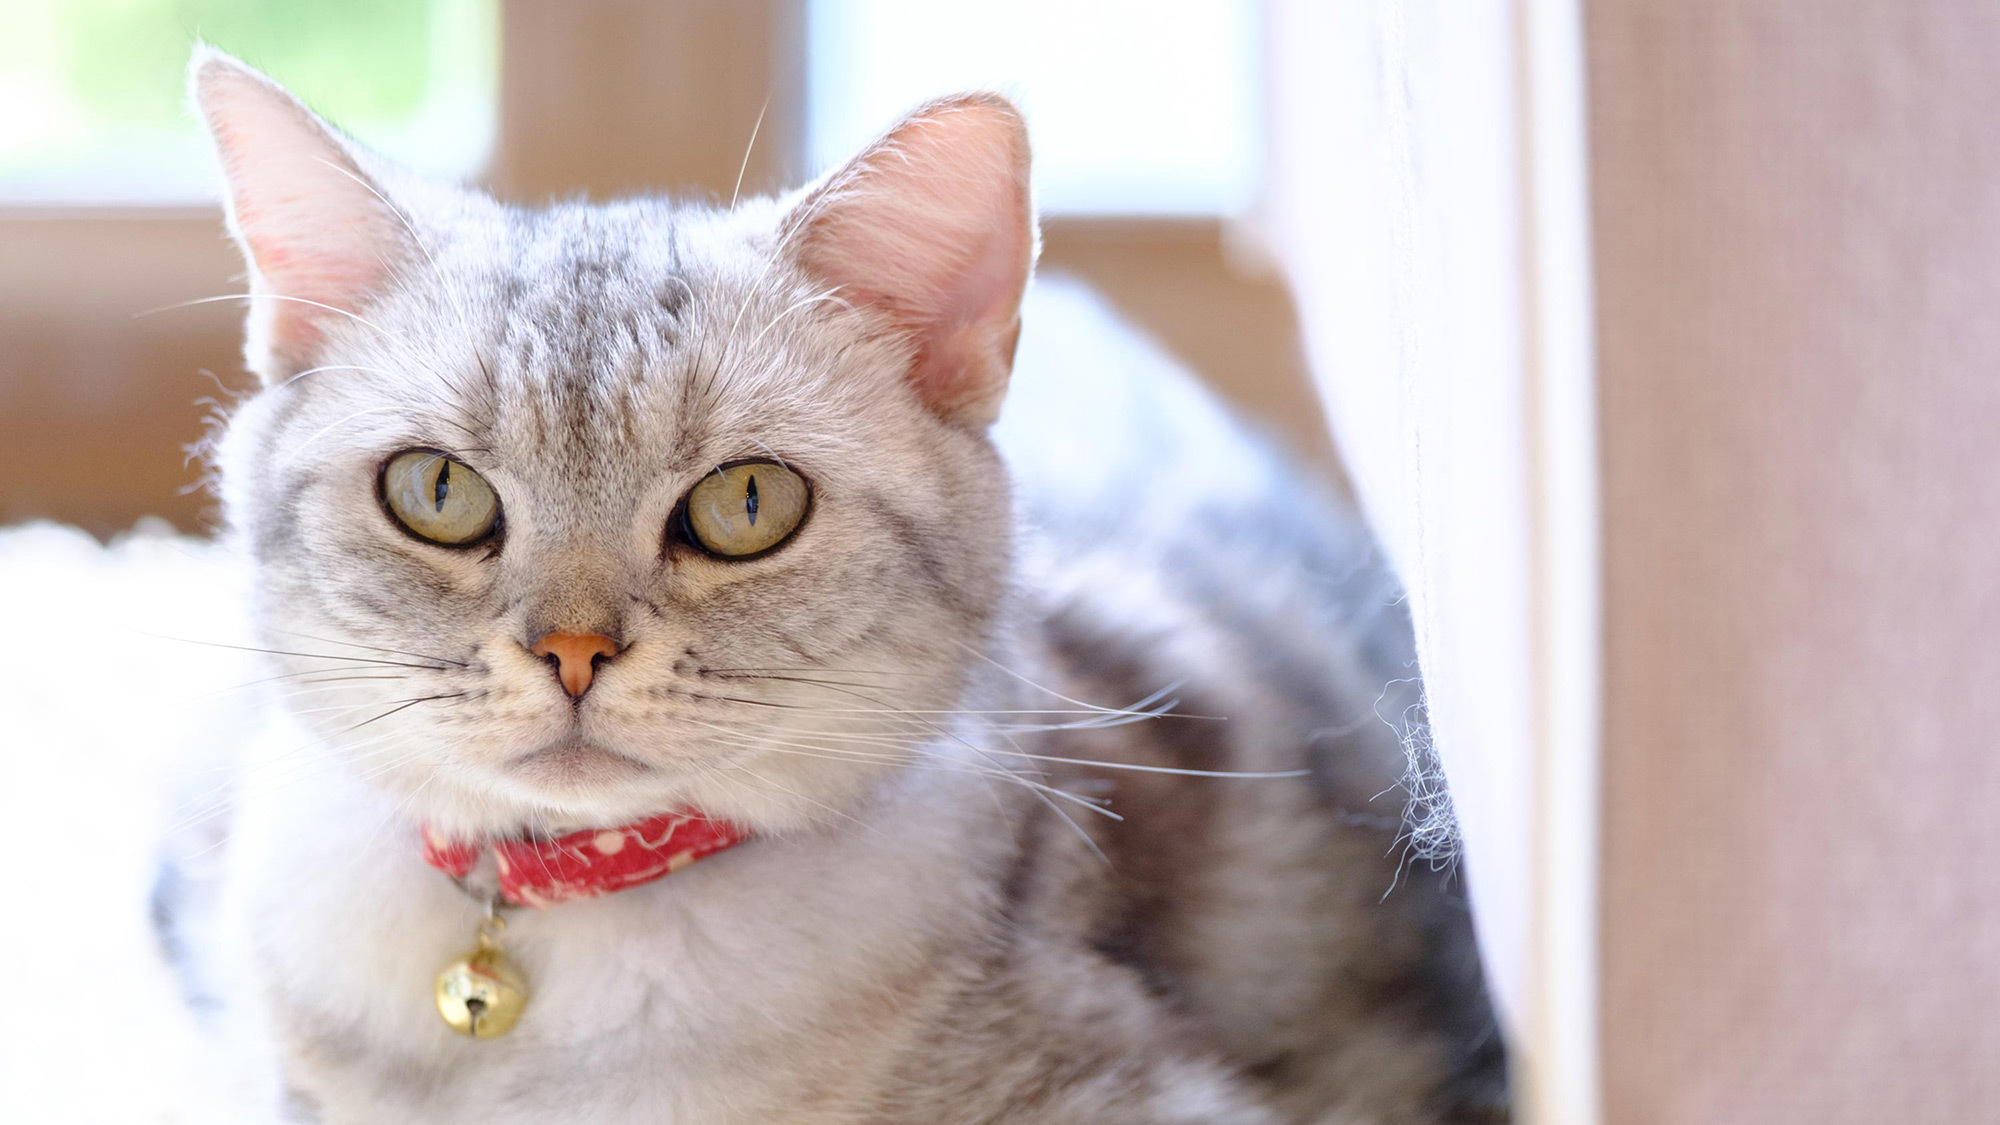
(317, 233)
(966, 357)
(933, 226)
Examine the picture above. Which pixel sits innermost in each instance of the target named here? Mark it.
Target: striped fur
(930, 926)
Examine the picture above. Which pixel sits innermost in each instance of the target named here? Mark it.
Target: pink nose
(575, 656)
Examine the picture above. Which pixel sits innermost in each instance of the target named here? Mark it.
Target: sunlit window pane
(1147, 107)
(95, 103)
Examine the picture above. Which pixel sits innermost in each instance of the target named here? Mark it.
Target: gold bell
(482, 994)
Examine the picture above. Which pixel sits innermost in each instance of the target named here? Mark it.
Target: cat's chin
(572, 780)
(576, 782)
(574, 764)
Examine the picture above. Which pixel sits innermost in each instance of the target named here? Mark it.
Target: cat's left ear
(932, 225)
(318, 233)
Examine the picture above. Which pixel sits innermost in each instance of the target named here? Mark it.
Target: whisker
(297, 675)
(803, 302)
(285, 652)
(758, 778)
(747, 150)
(177, 305)
(1136, 710)
(1137, 768)
(1175, 686)
(335, 367)
(1128, 766)
(747, 741)
(294, 452)
(372, 648)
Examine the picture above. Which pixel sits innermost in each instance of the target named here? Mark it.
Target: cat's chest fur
(784, 973)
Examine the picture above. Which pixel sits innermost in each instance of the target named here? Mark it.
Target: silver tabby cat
(971, 726)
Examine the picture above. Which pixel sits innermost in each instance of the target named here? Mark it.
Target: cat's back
(1171, 556)
(1164, 541)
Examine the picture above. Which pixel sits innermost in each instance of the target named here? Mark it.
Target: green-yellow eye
(745, 509)
(439, 498)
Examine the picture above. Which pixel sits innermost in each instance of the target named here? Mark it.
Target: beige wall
(1798, 263)
(97, 403)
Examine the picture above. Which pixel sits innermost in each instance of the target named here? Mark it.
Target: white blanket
(103, 719)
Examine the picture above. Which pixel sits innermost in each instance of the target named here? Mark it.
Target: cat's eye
(745, 509)
(439, 498)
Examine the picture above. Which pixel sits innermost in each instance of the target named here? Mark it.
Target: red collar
(541, 873)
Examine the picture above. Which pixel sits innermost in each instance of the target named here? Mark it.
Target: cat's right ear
(317, 232)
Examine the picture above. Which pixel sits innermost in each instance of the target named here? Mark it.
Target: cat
(1057, 803)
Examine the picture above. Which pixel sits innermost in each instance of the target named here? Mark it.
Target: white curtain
(1428, 207)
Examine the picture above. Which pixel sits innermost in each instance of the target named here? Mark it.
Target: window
(1137, 108)
(95, 93)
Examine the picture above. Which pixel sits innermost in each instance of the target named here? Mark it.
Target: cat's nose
(575, 656)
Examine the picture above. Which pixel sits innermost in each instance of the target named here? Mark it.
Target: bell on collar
(482, 994)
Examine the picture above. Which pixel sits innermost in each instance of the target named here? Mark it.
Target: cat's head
(591, 511)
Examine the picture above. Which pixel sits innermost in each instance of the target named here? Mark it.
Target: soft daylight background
(1657, 340)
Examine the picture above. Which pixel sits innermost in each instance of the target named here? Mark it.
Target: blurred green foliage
(95, 91)
(355, 59)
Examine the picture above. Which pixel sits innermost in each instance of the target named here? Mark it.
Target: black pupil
(750, 499)
(443, 487)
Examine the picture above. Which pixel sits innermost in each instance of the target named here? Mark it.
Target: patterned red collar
(541, 873)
